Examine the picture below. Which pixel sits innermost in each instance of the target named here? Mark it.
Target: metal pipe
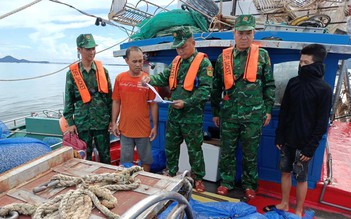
(38, 133)
(144, 204)
(188, 183)
(328, 203)
(340, 117)
(177, 212)
(11, 215)
(328, 180)
(13, 122)
(233, 13)
(55, 145)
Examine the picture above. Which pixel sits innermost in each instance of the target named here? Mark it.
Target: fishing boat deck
(16, 185)
(337, 192)
(339, 140)
(332, 196)
(336, 201)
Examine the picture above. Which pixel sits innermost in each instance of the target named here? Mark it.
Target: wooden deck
(16, 185)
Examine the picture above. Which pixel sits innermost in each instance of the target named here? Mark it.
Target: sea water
(20, 95)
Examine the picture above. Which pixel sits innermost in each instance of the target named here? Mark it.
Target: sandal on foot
(273, 208)
(199, 186)
(222, 190)
(250, 193)
(269, 208)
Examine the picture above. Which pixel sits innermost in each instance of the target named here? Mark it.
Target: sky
(47, 31)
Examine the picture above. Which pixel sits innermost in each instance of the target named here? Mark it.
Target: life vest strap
(82, 88)
(172, 80)
(190, 75)
(250, 72)
(78, 78)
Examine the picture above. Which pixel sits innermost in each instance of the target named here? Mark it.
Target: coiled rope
(90, 190)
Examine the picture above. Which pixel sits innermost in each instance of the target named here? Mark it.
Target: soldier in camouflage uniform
(241, 107)
(88, 114)
(185, 115)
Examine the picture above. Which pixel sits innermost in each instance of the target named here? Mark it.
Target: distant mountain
(12, 59)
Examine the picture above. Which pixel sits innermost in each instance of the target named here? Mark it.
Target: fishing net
(17, 151)
(150, 27)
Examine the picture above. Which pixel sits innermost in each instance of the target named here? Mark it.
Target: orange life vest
(250, 72)
(190, 75)
(82, 88)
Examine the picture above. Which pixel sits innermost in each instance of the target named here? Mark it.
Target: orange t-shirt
(134, 121)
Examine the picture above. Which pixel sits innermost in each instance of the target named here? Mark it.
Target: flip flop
(250, 193)
(222, 190)
(199, 186)
(269, 208)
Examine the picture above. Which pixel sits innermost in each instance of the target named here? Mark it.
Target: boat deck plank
(22, 192)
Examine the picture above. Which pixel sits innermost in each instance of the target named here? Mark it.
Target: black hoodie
(305, 108)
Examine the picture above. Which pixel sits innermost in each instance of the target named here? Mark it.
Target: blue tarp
(279, 214)
(241, 210)
(219, 210)
(159, 157)
(17, 151)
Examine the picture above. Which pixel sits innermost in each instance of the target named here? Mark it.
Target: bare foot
(298, 212)
(282, 206)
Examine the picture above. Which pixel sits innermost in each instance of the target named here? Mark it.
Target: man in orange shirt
(130, 104)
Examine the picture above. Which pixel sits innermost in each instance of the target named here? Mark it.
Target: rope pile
(90, 190)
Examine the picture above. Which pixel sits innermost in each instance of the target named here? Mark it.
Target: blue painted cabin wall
(268, 159)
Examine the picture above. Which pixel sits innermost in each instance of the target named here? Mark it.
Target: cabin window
(282, 73)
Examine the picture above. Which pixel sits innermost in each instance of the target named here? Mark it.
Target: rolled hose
(322, 20)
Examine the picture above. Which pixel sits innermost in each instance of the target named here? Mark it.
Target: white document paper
(158, 98)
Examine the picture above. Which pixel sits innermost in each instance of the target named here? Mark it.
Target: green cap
(180, 36)
(86, 41)
(245, 22)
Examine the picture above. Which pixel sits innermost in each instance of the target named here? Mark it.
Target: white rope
(19, 9)
(90, 15)
(36, 77)
(94, 189)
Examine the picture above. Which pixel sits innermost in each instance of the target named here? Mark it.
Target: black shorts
(290, 163)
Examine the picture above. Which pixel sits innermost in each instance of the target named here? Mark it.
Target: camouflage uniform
(92, 119)
(186, 123)
(242, 113)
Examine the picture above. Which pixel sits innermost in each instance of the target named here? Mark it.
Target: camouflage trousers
(102, 144)
(249, 133)
(193, 136)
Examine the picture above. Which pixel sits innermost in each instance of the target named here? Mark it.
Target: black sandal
(269, 208)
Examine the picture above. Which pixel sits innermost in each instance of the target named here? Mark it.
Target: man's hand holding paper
(158, 98)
